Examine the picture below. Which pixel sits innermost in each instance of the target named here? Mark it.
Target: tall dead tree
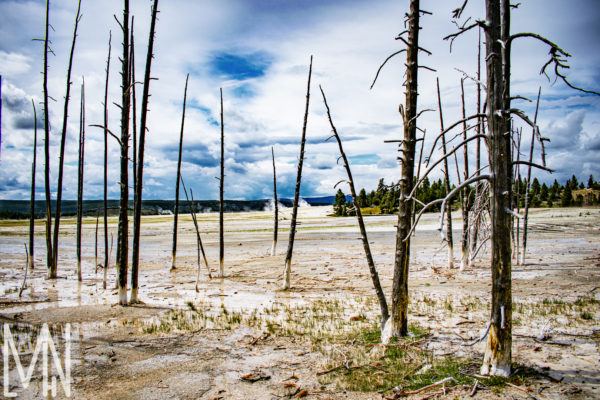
(176, 210)
(221, 200)
(53, 268)
(133, 106)
(49, 252)
(137, 212)
(288, 258)
(474, 227)
(32, 201)
(275, 207)
(123, 233)
(105, 191)
(398, 326)
(447, 184)
(498, 353)
(464, 241)
(80, 176)
(363, 232)
(527, 205)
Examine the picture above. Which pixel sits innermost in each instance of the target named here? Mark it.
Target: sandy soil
(116, 357)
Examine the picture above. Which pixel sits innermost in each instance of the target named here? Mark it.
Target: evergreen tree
(590, 184)
(574, 183)
(566, 198)
(544, 193)
(362, 198)
(535, 187)
(339, 204)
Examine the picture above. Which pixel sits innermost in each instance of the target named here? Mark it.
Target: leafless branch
(454, 125)
(558, 57)
(448, 154)
(536, 131)
(453, 192)
(522, 162)
(108, 130)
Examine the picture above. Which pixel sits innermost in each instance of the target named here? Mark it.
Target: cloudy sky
(258, 51)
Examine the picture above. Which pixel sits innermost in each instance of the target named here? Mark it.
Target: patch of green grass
(586, 315)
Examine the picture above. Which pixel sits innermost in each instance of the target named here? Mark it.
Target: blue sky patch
(240, 67)
(364, 159)
(204, 110)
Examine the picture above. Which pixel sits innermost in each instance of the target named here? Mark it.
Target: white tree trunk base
(286, 274)
(386, 331)
(273, 248)
(221, 269)
(450, 257)
(133, 299)
(173, 262)
(123, 296)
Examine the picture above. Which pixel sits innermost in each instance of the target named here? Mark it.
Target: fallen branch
(424, 388)
(487, 330)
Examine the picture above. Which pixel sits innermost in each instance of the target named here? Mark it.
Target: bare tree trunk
(53, 269)
(363, 232)
(525, 217)
(134, 106)
(498, 354)
(106, 259)
(478, 130)
(49, 252)
(32, 201)
(178, 177)
(221, 201)
(399, 310)
(288, 258)
(447, 183)
(96, 246)
(516, 200)
(140, 167)
(200, 247)
(123, 237)
(464, 243)
(80, 177)
(275, 206)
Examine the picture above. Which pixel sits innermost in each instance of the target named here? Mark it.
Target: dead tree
(363, 232)
(53, 268)
(49, 252)
(200, 247)
(221, 190)
(479, 130)
(275, 207)
(516, 199)
(123, 233)
(498, 354)
(137, 213)
(176, 210)
(447, 183)
(133, 106)
(288, 257)
(106, 259)
(526, 215)
(80, 177)
(407, 149)
(32, 201)
(464, 242)
(96, 246)
(399, 312)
